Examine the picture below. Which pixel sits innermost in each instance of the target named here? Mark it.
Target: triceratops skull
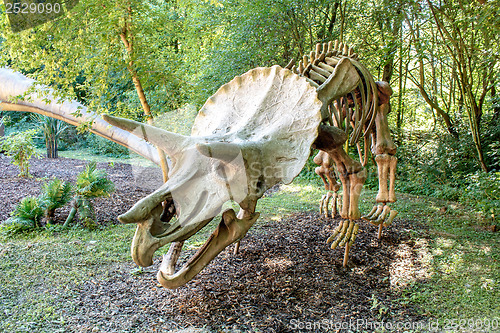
(253, 133)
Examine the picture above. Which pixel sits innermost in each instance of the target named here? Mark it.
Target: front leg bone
(356, 182)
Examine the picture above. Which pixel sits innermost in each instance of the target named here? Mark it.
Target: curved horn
(169, 142)
(224, 151)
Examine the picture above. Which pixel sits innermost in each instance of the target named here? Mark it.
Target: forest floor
(284, 278)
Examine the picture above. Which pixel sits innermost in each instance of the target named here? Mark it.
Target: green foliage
(52, 130)
(26, 216)
(101, 146)
(55, 194)
(483, 193)
(102, 75)
(90, 183)
(28, 213)
(20, 147)
(93, 183)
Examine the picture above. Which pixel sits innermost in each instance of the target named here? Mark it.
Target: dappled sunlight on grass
(451, 271)
(82, 154)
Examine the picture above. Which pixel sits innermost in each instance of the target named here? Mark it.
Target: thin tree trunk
(124, 35)
(420, 83)
(71, 216)
(51, 144)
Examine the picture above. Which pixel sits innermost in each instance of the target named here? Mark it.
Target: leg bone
(383, 170)
(392, 178)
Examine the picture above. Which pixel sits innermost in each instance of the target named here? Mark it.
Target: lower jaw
(229, 230)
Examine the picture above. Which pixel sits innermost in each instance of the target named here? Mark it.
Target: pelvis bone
(256, 131)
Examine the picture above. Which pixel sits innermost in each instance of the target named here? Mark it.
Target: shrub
(483, 194)
(28, 213)
(20, 147)
(102, 146)
(55, 194)
(90, 183)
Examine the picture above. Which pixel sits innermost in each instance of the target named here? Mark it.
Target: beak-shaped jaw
(201, 182)
(160, 220)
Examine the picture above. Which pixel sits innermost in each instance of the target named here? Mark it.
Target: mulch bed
(284, 277)
(132, 183)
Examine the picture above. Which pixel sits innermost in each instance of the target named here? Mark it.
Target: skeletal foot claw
(374, 213)
(345, 233)
(391, 217)
(324, 204)
(380, 216)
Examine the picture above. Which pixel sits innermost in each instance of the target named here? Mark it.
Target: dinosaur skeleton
(254, 132)
(361, 113)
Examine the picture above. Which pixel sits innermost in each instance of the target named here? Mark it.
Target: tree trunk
(51, 144)
(126, 38)
(71, 216)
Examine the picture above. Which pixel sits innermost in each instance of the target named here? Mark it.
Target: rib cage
(359, 106)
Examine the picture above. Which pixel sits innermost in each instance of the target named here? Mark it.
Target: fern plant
(55, 194)
(28, 213)
(90, 184)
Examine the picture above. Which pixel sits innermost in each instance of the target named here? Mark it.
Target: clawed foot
(344, 234)
(381, 214)
(324, 204)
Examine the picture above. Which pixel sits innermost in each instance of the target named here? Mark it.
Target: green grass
(86, 155)
(462, 279)
(464, 262)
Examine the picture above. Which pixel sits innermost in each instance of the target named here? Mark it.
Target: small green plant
(90, 183)
(30, 211)
(27, 214)
(55, 194)
(378, 307)
(483, 194)
(20, 147)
